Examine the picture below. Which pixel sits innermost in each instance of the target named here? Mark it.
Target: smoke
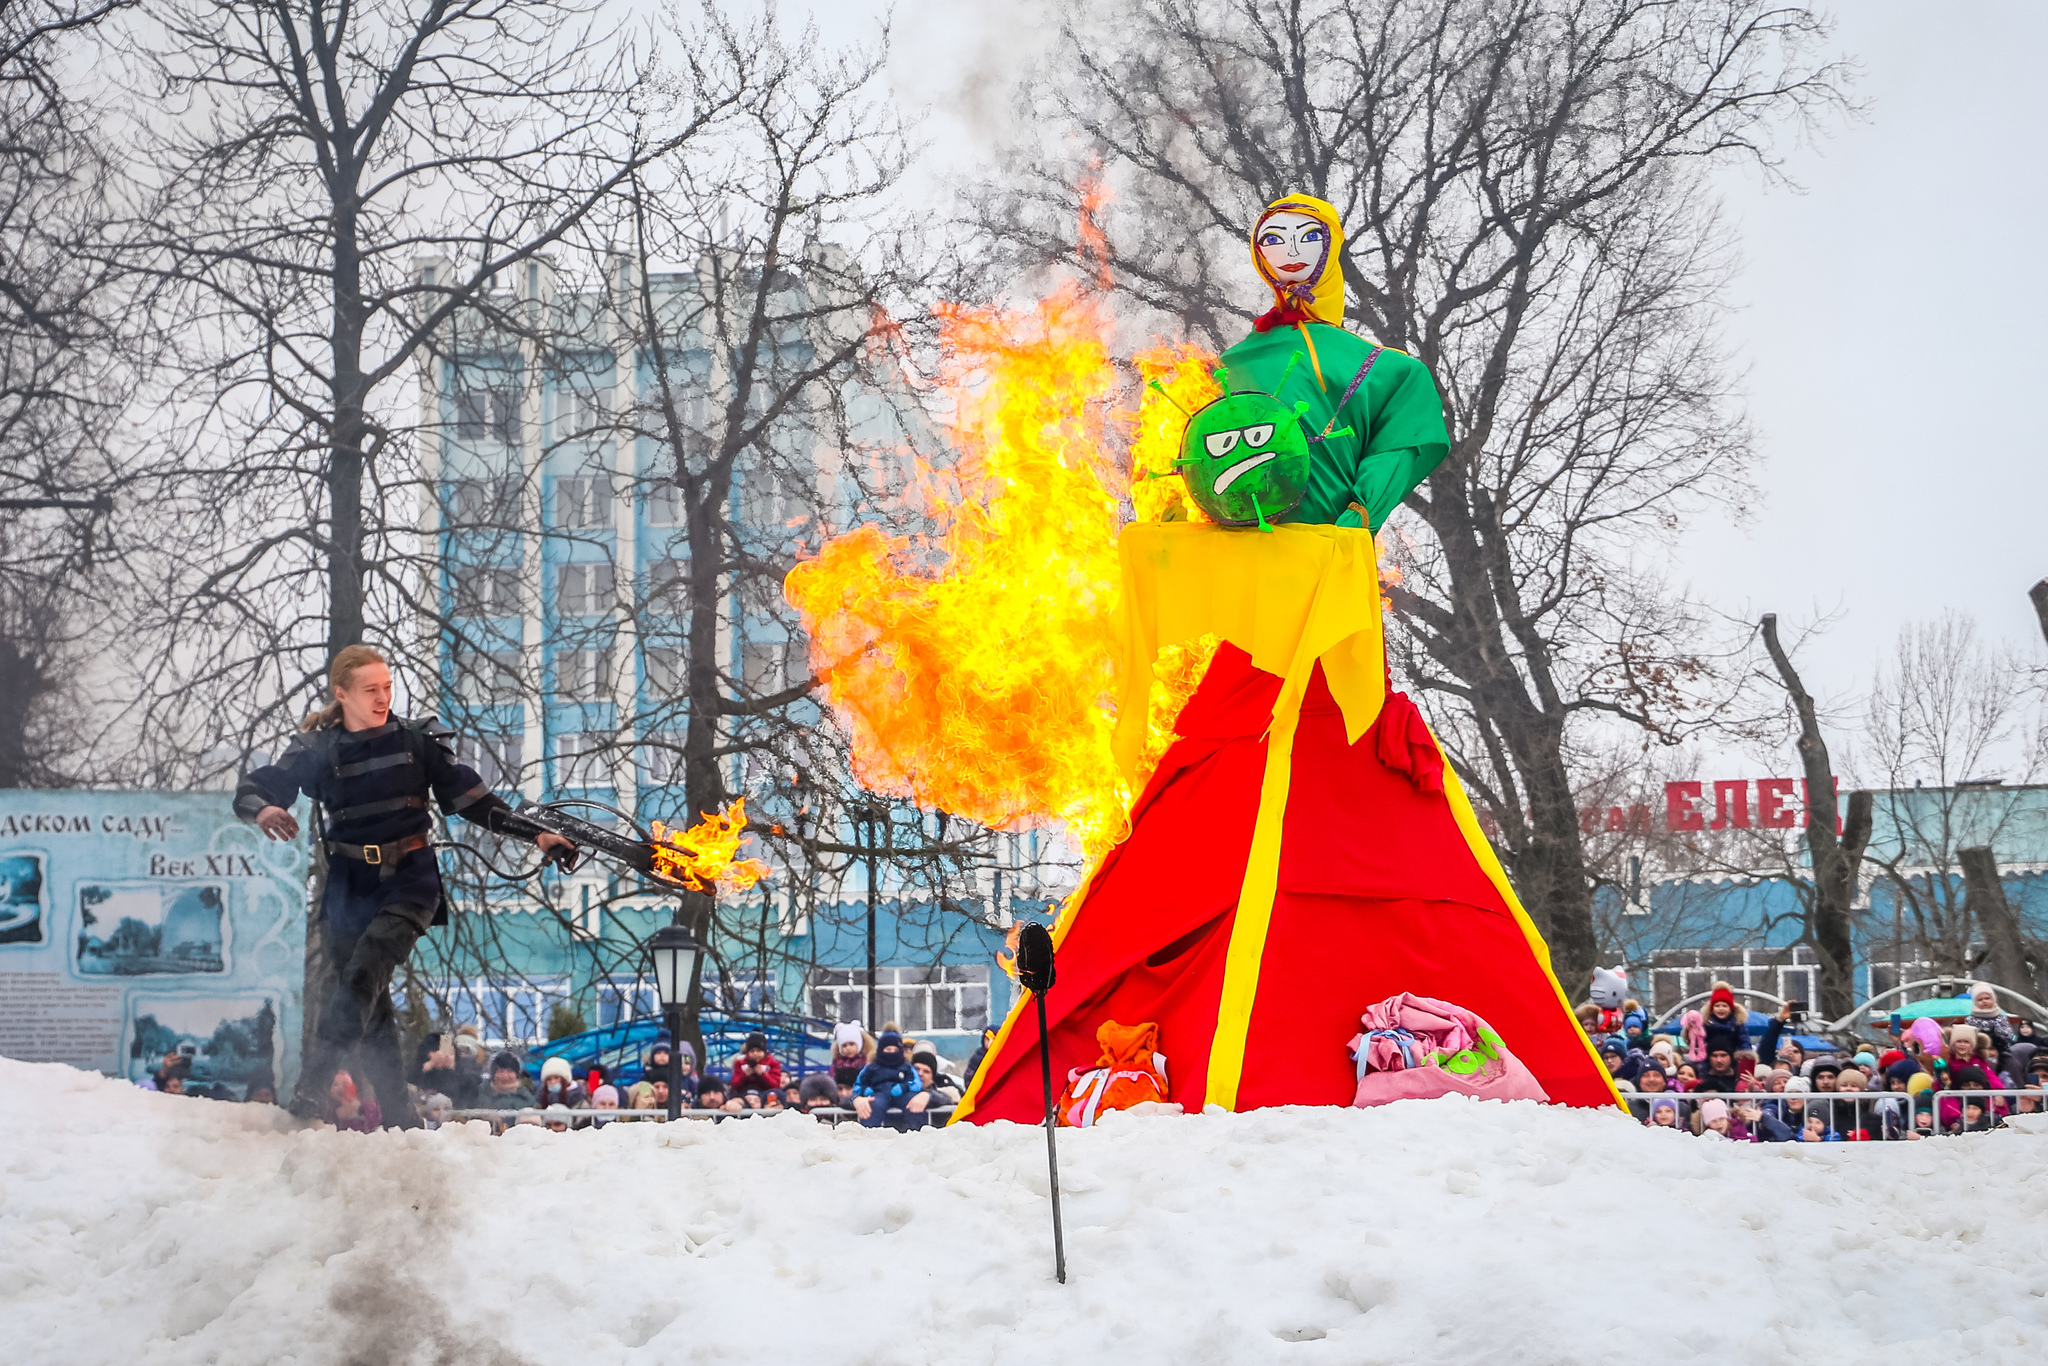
(399, 1282)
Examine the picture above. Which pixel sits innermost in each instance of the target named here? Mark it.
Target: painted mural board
(135, 924)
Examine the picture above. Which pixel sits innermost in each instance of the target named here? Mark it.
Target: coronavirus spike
(1169, 397)
(1222, 373)
(1292, 361)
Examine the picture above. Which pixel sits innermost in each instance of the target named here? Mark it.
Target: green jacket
(1396, 417)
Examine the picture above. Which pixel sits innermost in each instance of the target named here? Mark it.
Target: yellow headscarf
(1321, 296)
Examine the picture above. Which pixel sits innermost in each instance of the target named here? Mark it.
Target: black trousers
(359, 1019)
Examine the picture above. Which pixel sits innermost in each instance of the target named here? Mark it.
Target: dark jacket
(892, 1086)
(372, 787)
(1731, 1034)
(1770, 1129)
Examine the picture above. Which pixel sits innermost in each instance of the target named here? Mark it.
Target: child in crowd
(1726, 1024)
(1663, 1113)
(347, 1110)
(850, 1052)
(889, 1086)
(604, 1099)
(558, 1086)
(1987, 1018)
(434, 1110)
(817, 1092)
(1817, 1130)
(754, 1071)
(1715, 1121)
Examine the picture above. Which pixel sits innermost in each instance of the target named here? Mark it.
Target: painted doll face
(1245, 459)
(1292, 245)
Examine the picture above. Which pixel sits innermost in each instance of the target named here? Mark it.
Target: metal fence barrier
(587, 1118)
(1880, 1115)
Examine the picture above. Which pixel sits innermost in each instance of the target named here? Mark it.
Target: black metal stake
(674, 1020)
(1052, 1152)
(1035, 974)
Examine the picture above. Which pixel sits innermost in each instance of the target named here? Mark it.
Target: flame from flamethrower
(707, 854)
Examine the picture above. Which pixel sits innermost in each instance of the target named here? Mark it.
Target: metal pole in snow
(1035, 973)
(1052, 1152)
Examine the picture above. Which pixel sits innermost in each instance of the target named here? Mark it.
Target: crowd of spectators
(884, 1080)
(1711, 1081)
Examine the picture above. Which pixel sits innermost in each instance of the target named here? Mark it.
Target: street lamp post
(870, 816)
(675, 956)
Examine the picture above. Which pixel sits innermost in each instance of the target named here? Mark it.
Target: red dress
(1380, 890)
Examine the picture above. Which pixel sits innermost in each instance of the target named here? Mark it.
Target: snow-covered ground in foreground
(137, 1228)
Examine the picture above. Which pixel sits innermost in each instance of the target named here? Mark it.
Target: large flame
(975, 664)
(707, 854)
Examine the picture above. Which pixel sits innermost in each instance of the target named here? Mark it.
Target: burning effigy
(1277, 846)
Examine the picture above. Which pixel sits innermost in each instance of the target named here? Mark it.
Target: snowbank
(137, 1228)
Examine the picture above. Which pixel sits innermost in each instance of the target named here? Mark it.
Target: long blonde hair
(340, 674)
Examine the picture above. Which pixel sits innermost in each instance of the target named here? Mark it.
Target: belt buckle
(373, 853)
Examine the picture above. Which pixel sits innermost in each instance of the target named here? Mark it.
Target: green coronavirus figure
(1245, 456)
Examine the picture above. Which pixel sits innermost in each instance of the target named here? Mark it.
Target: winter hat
(1614, 1044)
(846, 1032)
(1664, 1101)
(890, 1041)
(1797, 1086)
(556, 1067)
(1720, 995)
(1711, 1110)
(1866, 1060)
(506, 1062)
(927, 1057)
(1983, 989)
(756, 1040)
(1650, 1067)
(1969, 1079)
(1890, 1058)
(662, 1038)
(1820, 1065)
(1905, 1069)
(1962, 1040)
(605, 1098)
(818, 1086)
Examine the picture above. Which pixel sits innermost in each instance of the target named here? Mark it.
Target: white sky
(1889, 320)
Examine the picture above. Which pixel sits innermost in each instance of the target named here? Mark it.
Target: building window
(920, 1000)
(666, 677)
(739, 994)
(497, 759)
(487, 415)
(668, 585)
(581, 412)
(486, 590)
(483, 503)
(665, 505)
(583, 675)
(487, 678)
(583, 589)
(583, 502)
(622, 1003)
(580, 760)
(764, 666)
(661, 759)
(504, 1013)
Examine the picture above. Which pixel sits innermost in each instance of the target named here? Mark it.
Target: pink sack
(1415, 1047)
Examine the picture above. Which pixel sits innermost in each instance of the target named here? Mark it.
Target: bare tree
(1945, 712)
(309, 157)
(67, 354)
(1524, 189)
(714, 375)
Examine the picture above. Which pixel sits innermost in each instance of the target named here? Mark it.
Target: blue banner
(135, 925)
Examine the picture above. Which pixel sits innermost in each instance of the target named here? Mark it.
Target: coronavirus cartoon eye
(1221, 443)
(1259, 435)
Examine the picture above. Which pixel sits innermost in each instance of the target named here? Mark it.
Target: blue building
(1913, 921)
(559, 553)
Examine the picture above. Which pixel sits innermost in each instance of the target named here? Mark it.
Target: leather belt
(380, 854)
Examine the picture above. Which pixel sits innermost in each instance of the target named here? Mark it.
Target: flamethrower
(695, 859)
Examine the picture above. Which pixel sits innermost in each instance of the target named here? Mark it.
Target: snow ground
(137, 1228)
